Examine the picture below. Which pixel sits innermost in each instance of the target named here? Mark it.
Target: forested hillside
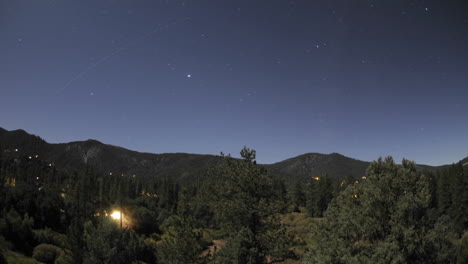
(236, 211)
(109, 159)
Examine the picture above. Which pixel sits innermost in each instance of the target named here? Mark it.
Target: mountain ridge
(111, 159)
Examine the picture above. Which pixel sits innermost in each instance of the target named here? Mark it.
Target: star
(91, 93)
(189, 76)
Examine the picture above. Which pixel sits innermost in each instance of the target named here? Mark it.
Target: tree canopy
(247, 203)
(383, 219)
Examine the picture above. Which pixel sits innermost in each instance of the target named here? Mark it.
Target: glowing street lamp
(117, 215)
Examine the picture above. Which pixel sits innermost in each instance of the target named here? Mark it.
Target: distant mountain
(108, 159)
(334, 164)
(464, 161)
(316, 164)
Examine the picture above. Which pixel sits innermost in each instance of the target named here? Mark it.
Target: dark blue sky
(362, 78)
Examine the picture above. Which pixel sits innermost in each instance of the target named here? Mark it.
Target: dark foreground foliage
(237, 213)
(389, 218)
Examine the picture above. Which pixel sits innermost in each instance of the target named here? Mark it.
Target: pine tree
(106, 243)
(245, 198)
(319, 195)
(380, 220)
(298, 196)
(181, 243)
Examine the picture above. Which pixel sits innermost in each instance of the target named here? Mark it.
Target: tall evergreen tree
(319, 195)
(181, 242)
(298, 197)
(245, 198)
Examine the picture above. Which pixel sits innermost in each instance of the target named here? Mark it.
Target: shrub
(48, 236)
(47, 253)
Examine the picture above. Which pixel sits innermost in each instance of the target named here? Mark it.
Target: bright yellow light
(316, 178)
(115, 215)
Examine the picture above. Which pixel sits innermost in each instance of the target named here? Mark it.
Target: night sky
(361, 78)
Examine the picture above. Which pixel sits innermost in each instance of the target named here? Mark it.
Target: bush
(47, 253)
(48, 236)
(65, 258)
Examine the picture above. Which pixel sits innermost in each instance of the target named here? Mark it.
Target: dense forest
(236, 212)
